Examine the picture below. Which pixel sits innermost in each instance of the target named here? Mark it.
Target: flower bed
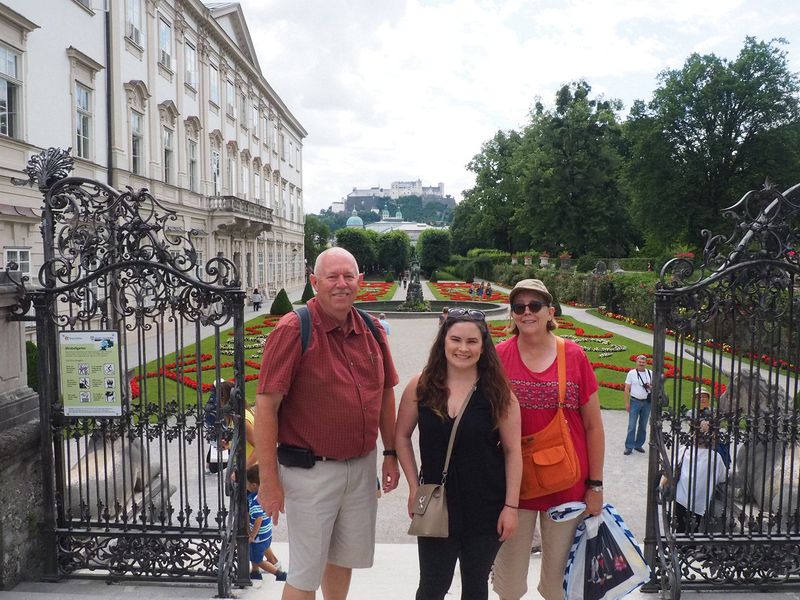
(709, 343)
(375, 291)
(458, 291)
(183, 369)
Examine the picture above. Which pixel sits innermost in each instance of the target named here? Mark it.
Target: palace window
(213, 85)
(21, 257)
(230, 99)
(83, 120)
(191, 65)
(133, 22)
(137, 143)
(10, 92)
(215, 182)
(168, 154)
(191, 157)
(164, 43)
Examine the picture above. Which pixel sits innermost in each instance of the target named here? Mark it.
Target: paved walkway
(394, 575)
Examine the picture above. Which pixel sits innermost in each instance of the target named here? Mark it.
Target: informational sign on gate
(90, 373)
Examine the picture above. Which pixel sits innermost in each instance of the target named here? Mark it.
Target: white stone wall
(44, 31)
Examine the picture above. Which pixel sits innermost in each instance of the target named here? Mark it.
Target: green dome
(354, 220)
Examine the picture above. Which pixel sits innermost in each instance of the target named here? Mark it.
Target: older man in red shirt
(324, 408)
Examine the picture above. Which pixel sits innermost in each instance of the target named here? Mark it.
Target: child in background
(260, 531)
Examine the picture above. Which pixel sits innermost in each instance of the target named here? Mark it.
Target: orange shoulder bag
(549, 461)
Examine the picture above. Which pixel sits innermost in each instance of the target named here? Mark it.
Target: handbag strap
(561, 365)
(453, 432)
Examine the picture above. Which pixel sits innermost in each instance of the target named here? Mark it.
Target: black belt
(640, 399)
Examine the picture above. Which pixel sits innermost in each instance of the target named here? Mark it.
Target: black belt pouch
(292, 456)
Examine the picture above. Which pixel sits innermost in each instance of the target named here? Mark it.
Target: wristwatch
(390, 453)
(596, 485)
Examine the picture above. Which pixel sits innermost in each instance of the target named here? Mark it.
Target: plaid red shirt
(332, 393)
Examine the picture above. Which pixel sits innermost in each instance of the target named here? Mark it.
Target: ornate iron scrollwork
(735, 322)
(46, 168)
(131, 494)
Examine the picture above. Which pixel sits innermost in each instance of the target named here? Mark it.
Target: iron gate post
(45, 340)
(662, 308)
(242, 537)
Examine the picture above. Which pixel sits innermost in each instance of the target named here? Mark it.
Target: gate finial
(46, 168)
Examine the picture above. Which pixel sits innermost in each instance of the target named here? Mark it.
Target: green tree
(713, 130)
(411, 207)
(317, 234)
(360, 244)
(485, 217)
(569, 162)
(394, 248)
(433, 249)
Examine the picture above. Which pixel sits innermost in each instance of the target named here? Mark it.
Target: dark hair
(224, 390)
(432, 390)
(252, 474)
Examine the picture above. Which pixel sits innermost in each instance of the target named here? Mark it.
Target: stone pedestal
(20, 471)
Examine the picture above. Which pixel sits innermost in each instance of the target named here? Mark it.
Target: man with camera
(637, 403)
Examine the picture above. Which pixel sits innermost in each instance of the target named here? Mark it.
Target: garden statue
(414, 295)
(768, 459)
(415, 272)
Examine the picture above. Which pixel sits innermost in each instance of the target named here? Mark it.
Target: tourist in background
(483, 477)
(256, 300)
(385, 324)
(529, 359)
(637, 403)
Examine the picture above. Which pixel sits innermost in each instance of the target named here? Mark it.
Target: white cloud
(407, 89)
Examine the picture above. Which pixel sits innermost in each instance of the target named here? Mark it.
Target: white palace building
(160, 94)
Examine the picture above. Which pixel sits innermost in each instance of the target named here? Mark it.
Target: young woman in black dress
(484, 474)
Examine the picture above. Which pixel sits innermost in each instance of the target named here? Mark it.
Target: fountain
(415, 304)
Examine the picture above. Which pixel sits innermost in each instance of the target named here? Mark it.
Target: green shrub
(434, 277)
(281, 305)
(308, 293)
(586, 263)
(634, 263)
(32, 353)
(446, 275)
(389, 277)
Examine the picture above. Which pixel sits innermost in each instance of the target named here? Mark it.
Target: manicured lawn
(611, 355)
(152, 387)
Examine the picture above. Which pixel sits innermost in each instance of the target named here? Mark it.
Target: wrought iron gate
(725, 358)
(128, 497)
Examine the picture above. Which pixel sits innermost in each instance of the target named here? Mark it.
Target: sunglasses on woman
(458, 313)
(534, 306)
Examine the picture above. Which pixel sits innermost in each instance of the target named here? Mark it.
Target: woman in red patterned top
(529, 358)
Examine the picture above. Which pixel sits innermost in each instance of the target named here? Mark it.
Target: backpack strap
(304, 315)
(370, 324)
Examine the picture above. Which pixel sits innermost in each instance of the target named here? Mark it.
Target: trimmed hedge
(281, 305)
(308, 293)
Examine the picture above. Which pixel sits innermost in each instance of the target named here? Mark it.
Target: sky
(400, 90)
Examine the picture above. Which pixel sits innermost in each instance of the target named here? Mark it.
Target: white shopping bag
(605, 562)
